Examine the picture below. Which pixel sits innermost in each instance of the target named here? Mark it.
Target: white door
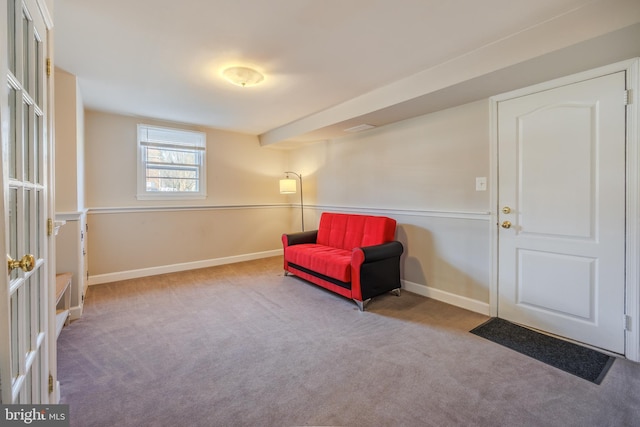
(24, 292)
(561, 194)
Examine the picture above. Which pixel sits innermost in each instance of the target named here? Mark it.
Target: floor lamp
(288, 186)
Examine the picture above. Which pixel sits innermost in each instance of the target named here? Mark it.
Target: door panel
(558, 283)
(562, 177)
(549, 151)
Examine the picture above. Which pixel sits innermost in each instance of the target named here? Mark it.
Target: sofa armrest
(299, 238)
(375, 270)
(380, 252)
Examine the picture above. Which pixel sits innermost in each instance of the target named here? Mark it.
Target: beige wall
(421, 172)
(80, 148)
(239, 171)
(69, 143)
(429, 162)
(69, 184)
(243, 213)
(143, 240)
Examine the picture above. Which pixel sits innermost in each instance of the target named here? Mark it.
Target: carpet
(583, 362)
(242, 345)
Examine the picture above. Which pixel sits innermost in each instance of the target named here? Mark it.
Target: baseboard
(174, 268)
(444, 296)
(437, 294)
(57, 395)
(75, 312)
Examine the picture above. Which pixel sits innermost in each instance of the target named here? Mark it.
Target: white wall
(421, 172)
(243, 215)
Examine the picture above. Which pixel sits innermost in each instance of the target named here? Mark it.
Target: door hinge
(49, 227)
(626, 322)
(627, 97)
(48, 67)
(50, 383)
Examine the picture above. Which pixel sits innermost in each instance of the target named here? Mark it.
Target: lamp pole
(301, 203)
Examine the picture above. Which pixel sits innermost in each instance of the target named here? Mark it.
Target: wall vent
(359, 128)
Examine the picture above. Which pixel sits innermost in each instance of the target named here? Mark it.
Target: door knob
(26, 263)
(506, 224)
(506, 210)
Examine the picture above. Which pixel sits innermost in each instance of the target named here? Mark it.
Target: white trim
(171, 146)
(632, 281)
(169, 195)
(447, 297)
(493, 202)
(70, 216)
(568, 80)
(46, 14)
(453, 214)
(149, 209)
(174, 268)
(75, 312)
(632, 294)
(152, 209)
(196, 141)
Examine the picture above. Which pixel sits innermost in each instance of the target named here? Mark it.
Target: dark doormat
(583, 362)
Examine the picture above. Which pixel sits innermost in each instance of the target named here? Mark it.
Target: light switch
(481, 183)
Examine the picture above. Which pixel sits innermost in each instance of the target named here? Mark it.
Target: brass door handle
(506, 224)
(26, 263)
(506, 210)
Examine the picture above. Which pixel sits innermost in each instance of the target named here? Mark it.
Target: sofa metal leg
(396, 292)
(362, 304)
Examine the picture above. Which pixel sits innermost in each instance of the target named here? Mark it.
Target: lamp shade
(287, 186)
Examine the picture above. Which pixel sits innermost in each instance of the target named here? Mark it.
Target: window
(171, 163)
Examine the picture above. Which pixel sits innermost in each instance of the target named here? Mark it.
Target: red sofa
(355, 256)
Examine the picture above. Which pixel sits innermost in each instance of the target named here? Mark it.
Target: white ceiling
(163, 58)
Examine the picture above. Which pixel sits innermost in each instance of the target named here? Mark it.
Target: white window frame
(156, 136)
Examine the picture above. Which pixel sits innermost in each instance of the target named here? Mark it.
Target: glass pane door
(23, 365)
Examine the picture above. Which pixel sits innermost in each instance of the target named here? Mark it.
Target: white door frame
(632, 261)
(50, 183)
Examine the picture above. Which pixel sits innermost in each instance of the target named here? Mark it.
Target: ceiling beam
(585, 37)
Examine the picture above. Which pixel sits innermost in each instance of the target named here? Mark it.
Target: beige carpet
(242, 345)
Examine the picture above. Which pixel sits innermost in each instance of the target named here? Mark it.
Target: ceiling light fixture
(243, 76)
